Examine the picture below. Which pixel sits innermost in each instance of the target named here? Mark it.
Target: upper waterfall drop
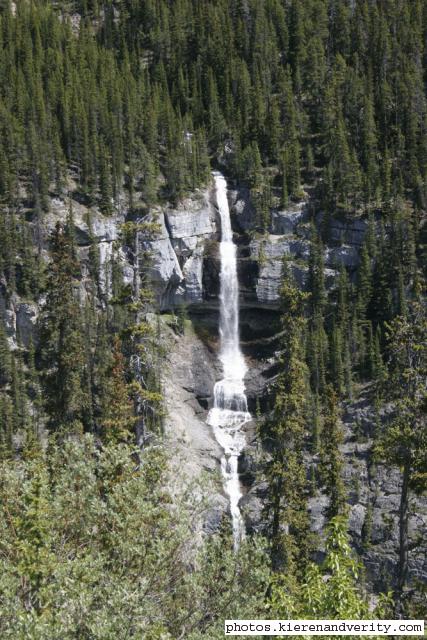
(230, 410)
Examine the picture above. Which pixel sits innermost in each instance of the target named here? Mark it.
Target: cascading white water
(230, 410)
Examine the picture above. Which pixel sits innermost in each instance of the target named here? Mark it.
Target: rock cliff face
(178, 253)
(373, 493)
(188, 379)
(185, 270)
(20, 320)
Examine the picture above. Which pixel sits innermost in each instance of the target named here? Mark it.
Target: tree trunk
(140, 425)
(403, 535)
(275, 530)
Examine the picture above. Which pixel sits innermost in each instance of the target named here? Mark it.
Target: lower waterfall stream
(230, 410)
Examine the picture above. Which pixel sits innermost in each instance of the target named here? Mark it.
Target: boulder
(214, 514)
(247, 463)
(252, 508)
(258, 380)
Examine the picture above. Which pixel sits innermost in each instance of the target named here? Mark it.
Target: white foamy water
(230, 410)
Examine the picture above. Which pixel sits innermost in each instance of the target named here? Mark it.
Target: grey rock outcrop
(165, 271)
(345, 255)
(193, 276)
(20, 321)
(241, 208)
(287, 221)
(344, 231)
(92, 228)
(89, 225)
(26, 314)
(188, 379)
(269, 252)
(9, 319)
(187, 225)
(373, 495)
(275, 247)
(269, 279)
(178, 250)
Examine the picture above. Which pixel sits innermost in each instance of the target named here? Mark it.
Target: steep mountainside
(118, 120)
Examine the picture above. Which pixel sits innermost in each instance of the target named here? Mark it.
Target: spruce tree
(403, 441)
(287, 499)
(62, 346)
(5, 356)
(331, 463)
(117, 418)
(7, 426)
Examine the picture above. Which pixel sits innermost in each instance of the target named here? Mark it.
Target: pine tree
(284, 180)
(343, 298)
(317, 353)
(33, 388)
(336, 359)
(364, 281)
(33, 535)
(369, 148)
(404, 439)
(105, 187)
(5, 356)
(117, 418)
(62, 347)
(7, 426)
(331, 591)
(331, 463)
(316, 273)
(19, 398)
(287, 508)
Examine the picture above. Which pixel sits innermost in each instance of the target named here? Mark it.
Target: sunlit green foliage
(94, 546)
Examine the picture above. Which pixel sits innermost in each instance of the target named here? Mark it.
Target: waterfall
(230, 410)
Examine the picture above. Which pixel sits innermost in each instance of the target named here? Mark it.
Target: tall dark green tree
(403, 442)
(331, 463)
(287, 499)
(62, 345)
